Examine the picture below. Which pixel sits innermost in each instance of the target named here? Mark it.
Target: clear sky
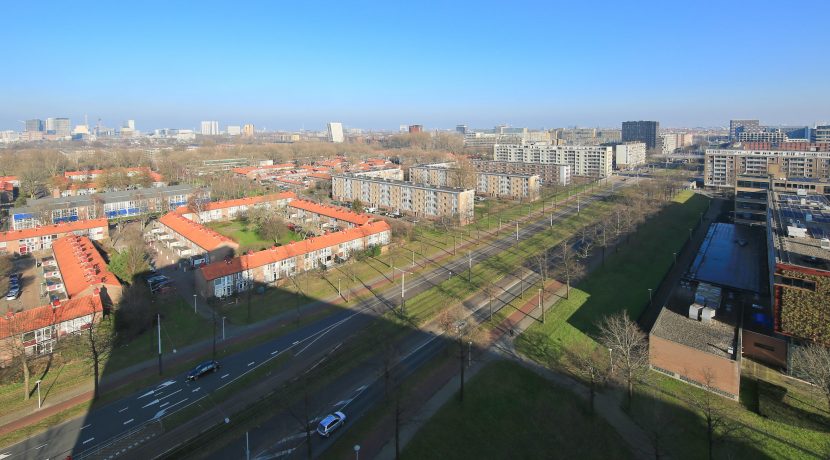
(294, 64)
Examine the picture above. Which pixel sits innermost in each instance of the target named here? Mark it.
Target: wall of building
(695, 366)
(766, 349)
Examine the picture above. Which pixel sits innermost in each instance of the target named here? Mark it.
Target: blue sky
(288, 65)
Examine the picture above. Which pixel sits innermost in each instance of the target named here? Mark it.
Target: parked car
(202, 369)
(14, 292)
(330, 423)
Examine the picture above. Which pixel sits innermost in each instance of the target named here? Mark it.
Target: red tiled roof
(275, 254)
(43, 316)
(42, 230)
(200, 235)
(6, 186)
(251, 200)
(335, 212)
(319, 175)
(248, 169)
(83, 173)
(9, 179)
(81, 265)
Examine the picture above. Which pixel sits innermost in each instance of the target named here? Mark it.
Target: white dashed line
(224, 376)
(275, 352)
(295, 343)
(164, 404)
(171, 394)
(86, 426)
(88, 440)
(129, 421)
(197, 389)
(122, 410)
(40, 447)
(251, 363)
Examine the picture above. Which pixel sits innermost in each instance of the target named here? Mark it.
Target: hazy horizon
(377, 66)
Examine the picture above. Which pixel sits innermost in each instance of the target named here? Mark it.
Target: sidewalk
(235, 334)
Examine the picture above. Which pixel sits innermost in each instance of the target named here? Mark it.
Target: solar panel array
(817, 206)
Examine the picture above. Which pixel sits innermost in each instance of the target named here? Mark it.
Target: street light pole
(517, 230)
(39, 403)
(611, 357)
(214, 335)
(541, 306)
(158, 322)
(470, 269)
(675, 258)
(223, 328)
(339, 293)
(649, 297)
(357, 452)
(469, 353)
(194, 303)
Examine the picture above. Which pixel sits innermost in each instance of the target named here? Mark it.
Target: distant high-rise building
(641, 131)
(822, 134)
(335, 132)
(129, 124)
(416, 129)
(461, 129)
(63, 127)
(50, 125)
(234, 130)
(34, 125)
(210, 128)
(248, 130)
(736, 127)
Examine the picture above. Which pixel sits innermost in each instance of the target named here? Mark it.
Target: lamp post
(39, 402)
(158, 322)
(517, 230)
(338, 288)
(675, 258)
(357, 452)
(403, 288)
(469, 353)
(223, 328)
(194, 303)
(470, 267)
(649, 296)
(214, 334)
(611, 357)
(541, 307)
(690, 234)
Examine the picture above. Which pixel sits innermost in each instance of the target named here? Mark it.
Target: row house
(272, 266)
(40, 238)
(190, 240)
(325, 216)
(110, 205)
(232, 209)
(83, 271)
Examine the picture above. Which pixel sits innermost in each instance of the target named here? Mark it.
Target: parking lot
(30, 285)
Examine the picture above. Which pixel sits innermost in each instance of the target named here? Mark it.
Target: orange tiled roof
(335, 212)
(200, 235)
(9, 179)
(6, 186)
(248, 169)
(42, 230)
(83, 173)
(43, 316)
(275, 254)
(80, 264)
(320, 175)
(251, 200)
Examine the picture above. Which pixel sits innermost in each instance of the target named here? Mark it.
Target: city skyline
(373, 67)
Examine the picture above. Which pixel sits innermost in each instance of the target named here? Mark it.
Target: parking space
(33, 292)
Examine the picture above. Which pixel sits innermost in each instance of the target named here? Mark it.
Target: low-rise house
(323, 215)
(83, 270)
(231, 209)
(191, 240)
(41, 238)
(272, 266)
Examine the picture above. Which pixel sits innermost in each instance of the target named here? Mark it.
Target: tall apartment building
(722, 166)
(209, 128)
(641, 131)
(668, 143)
(335, 132)
(822, 134)
(62, 127)
(420, 200)
(248, 130)
(496, 184)
(742, 126)
(416, 128)
(233, 130)
(772, 135)
(34, 126)
(584, 160)
(549, 173)
(629, 155)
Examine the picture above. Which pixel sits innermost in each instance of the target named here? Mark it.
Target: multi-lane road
(128, 426)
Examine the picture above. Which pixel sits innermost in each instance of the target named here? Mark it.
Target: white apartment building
(668, 143)
(630, 154)
(210, 128)
(722, 166)
(336, 132)
(234, 130)
(584, 160)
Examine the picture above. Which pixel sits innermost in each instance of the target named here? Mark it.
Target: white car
(330, 423)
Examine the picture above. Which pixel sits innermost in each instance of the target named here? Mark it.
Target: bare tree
(100, 343)
(197, 203)
(813, 363)
(628, 345)
(567, 264)
(15, 347)
(455, 324)
(719, 425)
(585, 241)
(588, 362)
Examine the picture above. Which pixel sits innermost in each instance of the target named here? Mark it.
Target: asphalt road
(89, 436)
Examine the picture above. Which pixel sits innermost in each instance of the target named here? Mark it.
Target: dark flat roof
(731, 256)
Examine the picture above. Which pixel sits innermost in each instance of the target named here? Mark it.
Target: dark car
(202, 369)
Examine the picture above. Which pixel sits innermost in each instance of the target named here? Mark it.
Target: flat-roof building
(723, 166)
(513, 186)
(549, 173)
(583, 160)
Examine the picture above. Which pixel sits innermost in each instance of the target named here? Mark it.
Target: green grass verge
(510, 412)
(247, 236)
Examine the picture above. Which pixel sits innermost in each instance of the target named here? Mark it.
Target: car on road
(202, 369)
(330, 423)
(13, 293)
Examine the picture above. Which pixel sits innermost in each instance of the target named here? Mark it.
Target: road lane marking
(222, 377)
(345, 401)
(129, 421)
(165, 384)
(88, 440)
(41, 447)
(197, 389)
(155, 401)
(284, 452)
(171, 394)
(162, 405)
(295, 343)
(122, 410)
(149, 393)
(275, 352)
(86, 426)
(6, 455)
(290, 438)
(251, 363)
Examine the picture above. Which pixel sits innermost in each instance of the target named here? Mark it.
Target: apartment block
(40, 238)
(272, 266)
(722, 166)
(190, 241)
(549, 173)
(513, 186)
(583, 160)
(395, 173)
(629, 155)
(420, 200)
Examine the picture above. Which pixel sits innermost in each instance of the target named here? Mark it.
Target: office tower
(736, 127)
(234, 130)
(461, 129)
(335, 132)
(210, 128)
(416, 129)
(62, 127)
(248, 130)
(34, 125)
(641, 131)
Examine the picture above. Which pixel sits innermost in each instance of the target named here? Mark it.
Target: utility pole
(551, 220)
(517, 230)
(413, 258)
(541, 306)
(470, 269)
(158, 322)
(214, 335)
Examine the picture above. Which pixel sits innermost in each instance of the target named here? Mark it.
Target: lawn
(621, 284)
(510, 412)
(247, 236)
